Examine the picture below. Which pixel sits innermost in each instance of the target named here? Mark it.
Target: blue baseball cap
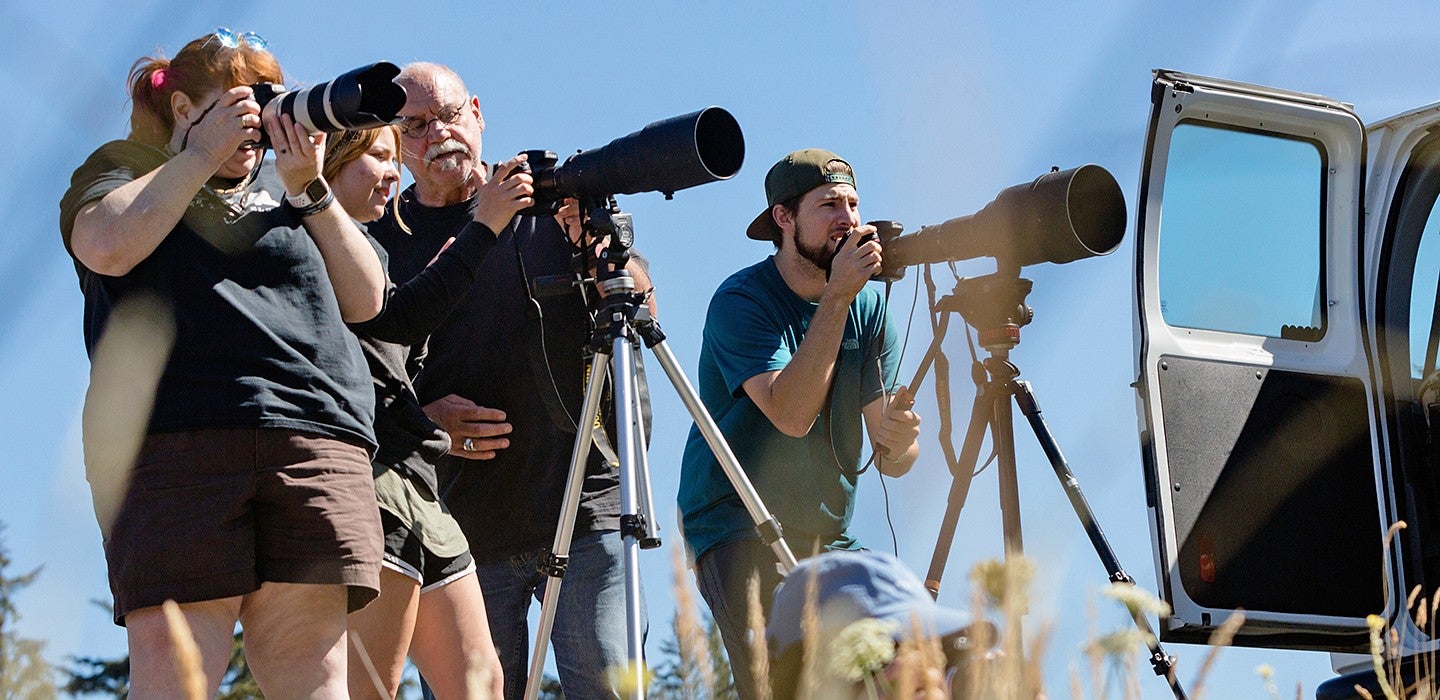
(854, 585)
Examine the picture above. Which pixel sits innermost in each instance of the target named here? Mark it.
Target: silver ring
(468, 445)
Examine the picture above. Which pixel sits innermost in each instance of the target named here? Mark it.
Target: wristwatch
(313, 193)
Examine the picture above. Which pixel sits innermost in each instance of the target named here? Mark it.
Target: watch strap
(314, 193)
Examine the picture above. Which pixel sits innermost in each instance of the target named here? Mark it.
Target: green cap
(795, 174)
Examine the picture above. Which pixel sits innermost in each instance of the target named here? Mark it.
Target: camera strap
(939, 324)
(538, 356)
(546, 385)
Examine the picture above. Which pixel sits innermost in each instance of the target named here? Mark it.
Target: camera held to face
(363, 98)
(885, 231)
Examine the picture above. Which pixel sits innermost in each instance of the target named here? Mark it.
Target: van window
(1242, 233)
(1423, 292)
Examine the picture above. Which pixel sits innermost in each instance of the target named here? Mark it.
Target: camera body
(885, 231)
(540, 164)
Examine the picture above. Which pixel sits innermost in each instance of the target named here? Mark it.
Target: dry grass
(1011, 669)
(690, 634)
(125, 370)
(478, 677)
(370, 669)
(760, 646)
(188, 665)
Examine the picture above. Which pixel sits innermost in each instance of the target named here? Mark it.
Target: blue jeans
(589, 636)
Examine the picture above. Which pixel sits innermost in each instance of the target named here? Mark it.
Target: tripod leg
(650, 539)
(1163, 663)
(765, 523)
(631, 527)
(554, 565)
(963, 471)
(1003, 434)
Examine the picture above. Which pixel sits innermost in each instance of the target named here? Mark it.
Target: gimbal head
(994, 304)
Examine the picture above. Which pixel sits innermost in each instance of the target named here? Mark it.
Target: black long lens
(666, 156)
(363, 98)
(1059, 217)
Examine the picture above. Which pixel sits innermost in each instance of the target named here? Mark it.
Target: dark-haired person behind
(250, 497)
(430, 605)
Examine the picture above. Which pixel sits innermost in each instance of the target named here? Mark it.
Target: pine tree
(23, 671)
(91, 675)
(676, 676)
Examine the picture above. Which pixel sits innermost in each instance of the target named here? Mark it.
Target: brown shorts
(213, 513)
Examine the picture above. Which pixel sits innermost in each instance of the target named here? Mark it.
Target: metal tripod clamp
(554, 565)
(769, 531)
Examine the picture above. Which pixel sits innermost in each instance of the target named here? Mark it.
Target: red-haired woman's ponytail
(151, 84)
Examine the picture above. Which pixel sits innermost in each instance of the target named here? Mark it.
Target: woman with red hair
(243, 491)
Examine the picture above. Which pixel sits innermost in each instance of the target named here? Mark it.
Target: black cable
(894, 541)
(904, 345)
(539, 315)
(185, 140)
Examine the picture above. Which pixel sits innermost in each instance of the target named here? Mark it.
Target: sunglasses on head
(232, 40)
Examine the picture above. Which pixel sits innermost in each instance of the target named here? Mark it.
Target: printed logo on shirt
(850, 344)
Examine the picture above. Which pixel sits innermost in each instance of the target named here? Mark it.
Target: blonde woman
(430, 603)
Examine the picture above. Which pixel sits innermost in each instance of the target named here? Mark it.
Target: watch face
(316, 190)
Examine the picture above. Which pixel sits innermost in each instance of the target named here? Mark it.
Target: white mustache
(444, 147)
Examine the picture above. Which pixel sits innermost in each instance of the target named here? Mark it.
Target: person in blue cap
(866, 604)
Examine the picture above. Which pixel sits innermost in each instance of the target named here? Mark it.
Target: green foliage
(238, 684)
(91, 675)
(676, 677)
(550, 688)
(23, 671)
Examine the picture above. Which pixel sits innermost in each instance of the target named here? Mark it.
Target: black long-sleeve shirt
(521, 353)
(408, 439)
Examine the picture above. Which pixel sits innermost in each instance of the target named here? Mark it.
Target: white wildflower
(1137, 599)
(862, 649)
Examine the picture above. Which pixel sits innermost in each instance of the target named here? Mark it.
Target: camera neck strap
(538, 353)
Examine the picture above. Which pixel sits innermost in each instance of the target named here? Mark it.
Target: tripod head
(994, 304)
(621, 306)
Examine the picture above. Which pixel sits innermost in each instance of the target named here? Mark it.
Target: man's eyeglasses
(415, 127)
(231, 40)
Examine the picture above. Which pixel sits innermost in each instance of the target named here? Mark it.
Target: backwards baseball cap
(794, 175)
(851, 586)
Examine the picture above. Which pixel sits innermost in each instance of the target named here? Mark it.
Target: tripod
(621, 323)
(995, 306)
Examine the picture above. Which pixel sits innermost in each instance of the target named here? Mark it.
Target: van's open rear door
(1258, 411)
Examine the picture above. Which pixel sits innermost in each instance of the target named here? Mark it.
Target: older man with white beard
(503, 375)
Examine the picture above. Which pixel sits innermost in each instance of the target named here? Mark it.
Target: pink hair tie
(157, 79)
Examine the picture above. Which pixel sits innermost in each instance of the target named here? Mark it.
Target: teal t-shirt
(754, 325)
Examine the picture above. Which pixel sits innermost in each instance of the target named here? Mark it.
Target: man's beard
(819, 256)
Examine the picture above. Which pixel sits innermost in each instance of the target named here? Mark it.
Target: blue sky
(938, 105)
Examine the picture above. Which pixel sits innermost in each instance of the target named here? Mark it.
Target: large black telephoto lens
(666, 156)
(363, 98)
(1059, 217)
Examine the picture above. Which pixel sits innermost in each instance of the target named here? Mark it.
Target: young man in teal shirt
(796, 351)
